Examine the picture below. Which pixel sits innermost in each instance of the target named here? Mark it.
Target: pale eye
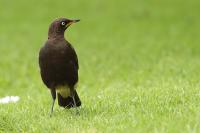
(63, 23)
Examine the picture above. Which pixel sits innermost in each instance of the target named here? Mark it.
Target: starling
(59, 65)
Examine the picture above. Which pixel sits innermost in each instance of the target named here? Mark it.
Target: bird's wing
(75, 57)
(42, 62)
(59, 64)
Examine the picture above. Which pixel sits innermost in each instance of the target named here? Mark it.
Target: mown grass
(139, 66)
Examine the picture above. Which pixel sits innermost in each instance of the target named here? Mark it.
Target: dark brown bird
(59, 65)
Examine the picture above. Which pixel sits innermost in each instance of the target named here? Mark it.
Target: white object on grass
(9, 99)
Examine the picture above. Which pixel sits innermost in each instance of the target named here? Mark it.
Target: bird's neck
(54, 33)
(54, 36)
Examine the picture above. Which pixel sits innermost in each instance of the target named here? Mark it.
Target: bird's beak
(72, 21)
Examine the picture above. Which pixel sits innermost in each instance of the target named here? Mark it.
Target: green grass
(139, 66)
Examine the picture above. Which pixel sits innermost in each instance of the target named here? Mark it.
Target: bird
(59, 66)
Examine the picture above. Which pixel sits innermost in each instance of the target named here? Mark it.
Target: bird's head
(58, 27)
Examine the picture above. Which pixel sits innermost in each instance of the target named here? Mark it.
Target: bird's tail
(68, 101)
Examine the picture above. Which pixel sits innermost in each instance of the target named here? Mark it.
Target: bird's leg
(53, 94)
(73, 95)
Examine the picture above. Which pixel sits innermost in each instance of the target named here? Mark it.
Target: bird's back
(58, 63)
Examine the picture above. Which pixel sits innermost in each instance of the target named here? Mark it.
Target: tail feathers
(68, 101)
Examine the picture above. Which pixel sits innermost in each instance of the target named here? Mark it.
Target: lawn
(139, 66)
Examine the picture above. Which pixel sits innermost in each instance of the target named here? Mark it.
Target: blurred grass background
(139, 65)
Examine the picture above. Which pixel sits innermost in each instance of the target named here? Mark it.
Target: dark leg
(53, 94)
(73, 95)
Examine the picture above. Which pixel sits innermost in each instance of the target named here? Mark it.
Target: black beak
(71, 22)
(74, 21)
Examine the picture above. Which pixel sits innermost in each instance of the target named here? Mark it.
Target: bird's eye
(63, 23)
